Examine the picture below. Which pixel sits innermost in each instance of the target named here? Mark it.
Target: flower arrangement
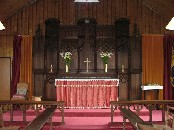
(105, 57)
(67, 57)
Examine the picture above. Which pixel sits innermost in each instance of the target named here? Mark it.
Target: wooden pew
(40, 120)
(133, 118)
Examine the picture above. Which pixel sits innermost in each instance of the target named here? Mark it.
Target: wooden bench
(132, 117)
(40, 120)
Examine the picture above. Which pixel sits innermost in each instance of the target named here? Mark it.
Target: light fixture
(86, 1)
(1, 26)
(170, 25)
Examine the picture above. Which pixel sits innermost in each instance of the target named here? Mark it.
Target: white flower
(105, 56)
(67, 57)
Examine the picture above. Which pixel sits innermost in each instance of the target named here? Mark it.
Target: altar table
(87, 93)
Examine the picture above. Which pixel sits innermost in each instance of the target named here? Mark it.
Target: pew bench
(41, 119)
(133, 118)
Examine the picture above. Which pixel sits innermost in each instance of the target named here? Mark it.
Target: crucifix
(87, 62)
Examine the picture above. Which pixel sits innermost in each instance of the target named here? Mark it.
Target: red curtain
(16, 63)
(168, 89)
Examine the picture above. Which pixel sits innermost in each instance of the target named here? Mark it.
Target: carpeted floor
(82, 119)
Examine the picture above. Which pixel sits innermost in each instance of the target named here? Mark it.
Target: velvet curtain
(16, 63)
(152, 62)
(168, 45)
(26, 62)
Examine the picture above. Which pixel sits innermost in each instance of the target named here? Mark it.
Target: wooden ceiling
(10, 7)
(165, 8)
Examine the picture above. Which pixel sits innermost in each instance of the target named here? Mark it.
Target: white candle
(51, 68)
(122, 68)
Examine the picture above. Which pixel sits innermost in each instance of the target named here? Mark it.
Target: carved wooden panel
(49, 88)
(135, 86)
(38, 82)
(88, 40)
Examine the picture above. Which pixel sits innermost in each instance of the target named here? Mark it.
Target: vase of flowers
(105, 58)
(66, 69)
(67, 59)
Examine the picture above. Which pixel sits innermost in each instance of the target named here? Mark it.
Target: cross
(87, 62)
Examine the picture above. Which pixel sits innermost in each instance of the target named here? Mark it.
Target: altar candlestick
(122, 68)
(51, 68)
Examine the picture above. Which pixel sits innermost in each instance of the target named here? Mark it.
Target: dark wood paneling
(68, 12)
(147, 13)
(164, 8)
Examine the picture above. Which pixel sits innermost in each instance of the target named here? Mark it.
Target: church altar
(87, 93)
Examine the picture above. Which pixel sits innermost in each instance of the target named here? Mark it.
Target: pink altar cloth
(87, 93)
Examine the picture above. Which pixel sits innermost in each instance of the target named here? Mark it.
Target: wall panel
(105, 12)
(5, 76)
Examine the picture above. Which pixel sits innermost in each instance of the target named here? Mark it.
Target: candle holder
(51, 68)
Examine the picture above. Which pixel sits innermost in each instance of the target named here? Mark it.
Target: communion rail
(139, 104)
(12, 105)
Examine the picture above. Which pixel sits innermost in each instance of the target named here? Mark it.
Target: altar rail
(139, 104)
(12, 105)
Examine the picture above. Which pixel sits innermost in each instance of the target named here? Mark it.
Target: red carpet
(82, 119)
